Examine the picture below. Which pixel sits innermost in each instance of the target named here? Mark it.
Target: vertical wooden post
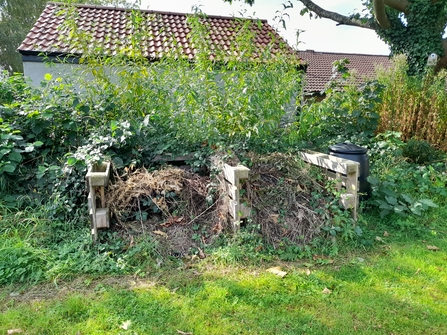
(232, 180)
(92, 211)
(98, 177)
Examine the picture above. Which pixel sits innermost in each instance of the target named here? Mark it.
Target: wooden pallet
(233, 176)
(97, 179)
(345, 171)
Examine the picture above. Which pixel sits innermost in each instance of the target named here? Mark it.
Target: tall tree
(16, 19)
(411, 27)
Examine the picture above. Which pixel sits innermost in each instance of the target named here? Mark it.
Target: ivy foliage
(416, 33)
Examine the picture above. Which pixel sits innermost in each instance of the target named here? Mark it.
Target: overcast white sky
(318, 35)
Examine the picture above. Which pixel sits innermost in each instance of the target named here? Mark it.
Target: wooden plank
(98, 175)
(346, 181)
(238, 211)
(231, 190)
(93, 209)
(103, 196)
(90, 200)
(330, 162)
(102, 218)
(233, 174)
(98, 178)
(244, 211)
(348, 200)
(233, 209)
(345, 171)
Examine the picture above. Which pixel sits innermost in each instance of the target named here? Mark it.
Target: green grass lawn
(397, 287)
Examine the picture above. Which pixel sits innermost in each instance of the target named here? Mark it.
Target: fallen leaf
(160, 233)
(307, 271)
(183, 333)
(323, 259)
(433, 248)
(418, 270)
(14, 331)
(326, 291)
(274, 218)
(385, 233)
(277, 271)
(379, 239)
(14, 294)
(201, 253)
(174, 220)
(126, 325)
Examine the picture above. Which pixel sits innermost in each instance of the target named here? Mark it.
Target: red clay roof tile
(319, 66)
(112, 28)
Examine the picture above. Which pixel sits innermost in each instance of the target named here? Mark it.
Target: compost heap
(185, 211)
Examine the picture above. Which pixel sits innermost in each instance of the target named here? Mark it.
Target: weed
(420, 152)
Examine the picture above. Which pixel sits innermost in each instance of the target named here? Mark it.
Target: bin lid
(347, 148)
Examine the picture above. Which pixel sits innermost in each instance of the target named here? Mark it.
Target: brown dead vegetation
(185, 211)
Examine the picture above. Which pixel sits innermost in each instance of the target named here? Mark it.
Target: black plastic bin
(357, 154)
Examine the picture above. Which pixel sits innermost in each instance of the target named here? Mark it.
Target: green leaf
(48, 76)
(15, 156)
(391, 200)
(428, 203)
(416, 210)
(9, 168)
(37, 143)
(383, 213)
(373, 180)
(400, 209)
(113, 125)
(4, 152)
(117, 161)
(408, 199)
(71, 161)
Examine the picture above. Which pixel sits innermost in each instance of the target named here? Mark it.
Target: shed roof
(319, 66)
(112, 30)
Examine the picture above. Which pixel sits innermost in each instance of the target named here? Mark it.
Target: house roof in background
(160, 32)
(319, 66)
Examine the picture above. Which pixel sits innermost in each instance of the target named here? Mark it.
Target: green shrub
(347, 113)
(400, 186)
(419, 151)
